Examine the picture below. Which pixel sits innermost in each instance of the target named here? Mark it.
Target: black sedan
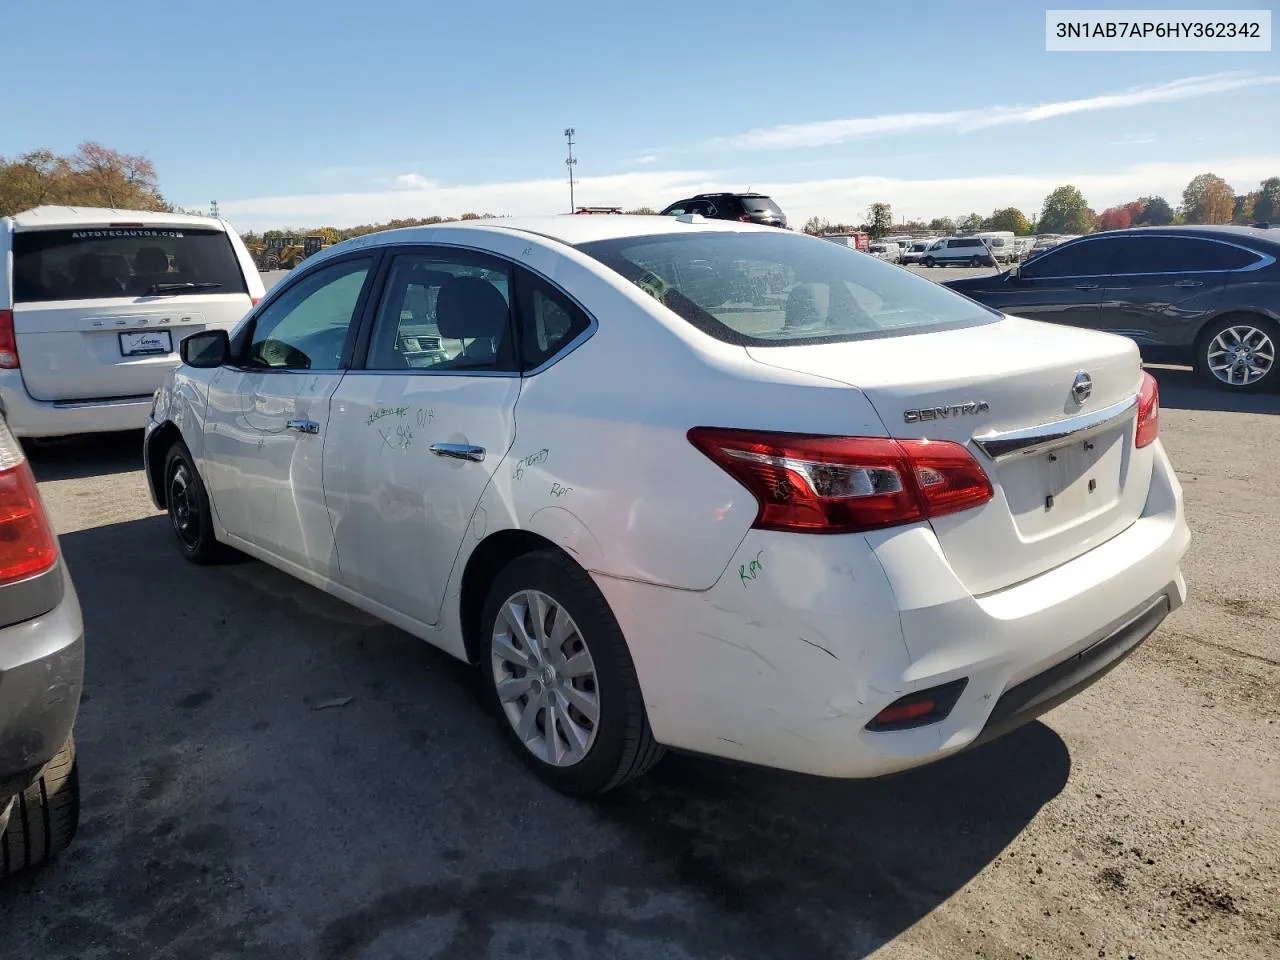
(1205, 296)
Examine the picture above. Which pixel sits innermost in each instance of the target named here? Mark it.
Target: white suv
(93, 304)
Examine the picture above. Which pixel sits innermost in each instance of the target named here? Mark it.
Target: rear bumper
(41, 675)
(805, 639)
(39, 418)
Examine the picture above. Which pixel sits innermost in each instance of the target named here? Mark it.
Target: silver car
(41, 674)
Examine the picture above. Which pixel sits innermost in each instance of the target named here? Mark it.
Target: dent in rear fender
(791, 651)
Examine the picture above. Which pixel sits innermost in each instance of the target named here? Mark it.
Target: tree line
(1207, 199)
(96, 176)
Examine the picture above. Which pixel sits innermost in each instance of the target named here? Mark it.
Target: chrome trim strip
(1010, 444)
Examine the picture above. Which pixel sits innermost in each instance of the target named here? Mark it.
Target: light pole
(213, 208)
(571, 162)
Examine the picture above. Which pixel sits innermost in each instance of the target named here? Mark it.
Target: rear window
(760, 205)
(98, 262)
(768, 289)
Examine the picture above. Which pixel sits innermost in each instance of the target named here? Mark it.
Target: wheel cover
(184, 506)
(545, 678)
(1241, 355)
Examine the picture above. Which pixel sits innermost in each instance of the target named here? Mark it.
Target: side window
(444, 311)
(305, 328)
(1182, 255)
(549, 321)
(1087, 258)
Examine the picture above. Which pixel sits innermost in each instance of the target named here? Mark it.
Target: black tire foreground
(44, 817)
(624, 747)
(204, 549)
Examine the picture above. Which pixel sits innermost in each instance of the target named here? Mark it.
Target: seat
(807, 305)
(150, 265)
(471, 309)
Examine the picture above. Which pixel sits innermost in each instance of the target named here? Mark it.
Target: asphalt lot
(231, 810)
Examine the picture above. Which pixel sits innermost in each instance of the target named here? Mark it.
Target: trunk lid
(1001, 378)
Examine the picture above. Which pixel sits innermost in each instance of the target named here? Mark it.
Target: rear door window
(1181, 255)
(98, 262)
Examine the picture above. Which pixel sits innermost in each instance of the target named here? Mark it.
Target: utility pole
(213, 208)
(571, 162)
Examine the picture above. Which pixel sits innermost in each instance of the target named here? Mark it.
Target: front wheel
(190, 515)
(557, 668)
(1239, 353)
(928, 261)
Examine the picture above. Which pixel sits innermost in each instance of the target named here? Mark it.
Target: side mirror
(206, 349)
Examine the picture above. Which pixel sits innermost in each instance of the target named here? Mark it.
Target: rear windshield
(98, 262)
(760, 289)
(760, 205)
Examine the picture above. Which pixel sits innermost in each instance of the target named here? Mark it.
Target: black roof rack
(726, 193)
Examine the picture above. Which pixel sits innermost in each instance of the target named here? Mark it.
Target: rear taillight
(1148, 412)
(745, 218)
(255, 300)
(820, 484)
(27, 545)
(8, 342)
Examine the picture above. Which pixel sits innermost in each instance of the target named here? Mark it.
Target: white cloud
(646, 159)
(1131, 141)
(825, 132)
(836, 199)
(413, 181)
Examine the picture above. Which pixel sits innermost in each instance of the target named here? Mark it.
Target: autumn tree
(1267, 207)
(880, 219)
(1156, 212)
(1065, 211)
(93, 176)
(1115, 218)
(1246, 204)
(1008, 218)
(971, 222)
(1208, 199)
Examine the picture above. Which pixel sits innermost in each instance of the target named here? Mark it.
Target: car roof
(568, 228)
(1210, 231)
(53, 217)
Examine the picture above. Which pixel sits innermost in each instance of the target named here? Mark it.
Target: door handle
(1189, 283)
(1086, 286)
(459, 451)
(303, 426)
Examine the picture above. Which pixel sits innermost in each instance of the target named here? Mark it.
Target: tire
(928, 261)
(190, 516)
(975, 262)
(619, 745)
(44, 817)
(1259, 335)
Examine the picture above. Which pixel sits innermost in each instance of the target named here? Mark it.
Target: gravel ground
(233, 809)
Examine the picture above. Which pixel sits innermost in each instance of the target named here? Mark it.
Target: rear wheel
(44, 817)
(1239, 353)
(558, 670)
(975, 262)
(189, 512)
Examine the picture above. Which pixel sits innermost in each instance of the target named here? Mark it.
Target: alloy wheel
(1240, 356)
(545, 678)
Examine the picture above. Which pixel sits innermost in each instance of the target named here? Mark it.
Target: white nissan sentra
(672, 482)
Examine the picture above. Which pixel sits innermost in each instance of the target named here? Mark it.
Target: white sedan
(674, 482)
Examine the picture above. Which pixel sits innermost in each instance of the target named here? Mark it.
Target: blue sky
(340, 112)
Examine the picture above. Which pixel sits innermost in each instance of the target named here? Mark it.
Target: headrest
(469, 307)
(150, 260)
